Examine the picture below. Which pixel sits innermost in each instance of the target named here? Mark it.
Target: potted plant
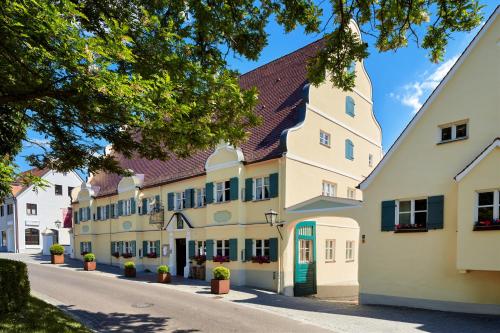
(57, 254)
(129, 268)
(89, 263)
(164, 275)
(220, 283)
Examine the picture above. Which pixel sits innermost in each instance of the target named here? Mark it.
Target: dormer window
(454, 131)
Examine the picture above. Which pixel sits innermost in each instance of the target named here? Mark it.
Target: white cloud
(414, 94)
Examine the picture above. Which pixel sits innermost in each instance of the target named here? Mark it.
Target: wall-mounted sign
(127, 225)
(85, 229)
(222, 216)
(32, 223)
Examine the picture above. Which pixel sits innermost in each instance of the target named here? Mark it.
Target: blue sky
(401, 80)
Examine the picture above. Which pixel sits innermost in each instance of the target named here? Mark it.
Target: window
(349, 150)
(329, 189)
(1, 210)
(454, 131)
(351, 193)
(31, 209)
(370, 160)
(127, 207)
(349, 251)
(31, 236)
(58, 189)
(261, 248)
(222, 248)
(412, 213)
(349, 106)
(305, 251)
(127, 247)
(69, 190)
(488, 207)
(116, 247)
(324, 138)
(200, 197)
(179, 200)
(10, 209)
(330, 250)
(201, 248)
(222, 191)
(152, 247)
(261, 188)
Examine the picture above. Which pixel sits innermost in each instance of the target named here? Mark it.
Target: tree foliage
(151, 78)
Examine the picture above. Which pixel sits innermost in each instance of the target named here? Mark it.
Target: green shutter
(157, 201)
(249, 189)
(233, 249)
(170, 201)
(112, 210)
(191, 248)
(144, 206)
(273, 249)
(388, 215)
(349, 106)
(80, 211)
(209, 193)
(248, 249)
(233, 188)
(112, 248)
(90, 246)
(120, 207)
(435, 212)
(132, 206)
(157, 246)
(99, 210)
(144, 248)
(210, 249)
(132, 245)
(273, 185)
(120, 247)
(188, 201)
(88, 213)
(81, 247)
(107, 212)
(75, 217)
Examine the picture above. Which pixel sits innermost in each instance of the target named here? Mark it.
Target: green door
(305, 259)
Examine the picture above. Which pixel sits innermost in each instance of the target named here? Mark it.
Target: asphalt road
(110, 304)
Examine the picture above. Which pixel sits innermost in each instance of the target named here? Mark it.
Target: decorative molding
(321, 166)
(127, 225)
(224, 146)
(360, 94)
(477, 160)
(222, 216)
(341, 124)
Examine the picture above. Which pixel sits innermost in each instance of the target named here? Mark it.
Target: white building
(27, 213)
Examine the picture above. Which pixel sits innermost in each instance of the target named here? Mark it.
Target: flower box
(127, 255)
(487, 225)
(116, 255)
(152, 255)
(89, 265)
(261, 259)
(404, 228)
(200, 259)
(221, 259)
(219, 286)
(83, 253)
(57, 259)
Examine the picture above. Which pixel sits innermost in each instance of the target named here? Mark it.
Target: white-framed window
(127, 247)
(261, 188)
(329, 189)
(200, 197)
(412, 212)
(31, 209)
(370, 160)
(31, 236)
(58, 189)
(201, 248)
(330, 250)
(222, 191)
(85, 246)
(127, 207)
(305, 251)
(116, 247)
(351, 193)
(324, 138)
(152, 247)
(115, 210)
(261, 247)
(179, 200)
(488, 206)
(222, 248)
(454, 131)
(349, 250)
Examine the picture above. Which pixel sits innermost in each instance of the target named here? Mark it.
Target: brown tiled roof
(18, 187)
(280, 84)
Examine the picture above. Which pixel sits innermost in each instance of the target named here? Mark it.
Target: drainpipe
(280, 270)
(16, 229)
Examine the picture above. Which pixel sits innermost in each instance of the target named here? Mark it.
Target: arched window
(349, 150)
(349, 106)
(32, 236)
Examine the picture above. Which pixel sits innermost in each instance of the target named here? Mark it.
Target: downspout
(16, 229)
(280, 242)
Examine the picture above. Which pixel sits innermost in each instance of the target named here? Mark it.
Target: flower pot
(89, 265)
(219, 286)
(130, 272)
(57, 258)
(164, 277)
(200, 273)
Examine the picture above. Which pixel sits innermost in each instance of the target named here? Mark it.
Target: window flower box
(152, 255)
(261, 259)
(84, 253)
(402, 228)
(200, 259)
(487, 225)
(116, 255)
(127, 255)
(221, 259)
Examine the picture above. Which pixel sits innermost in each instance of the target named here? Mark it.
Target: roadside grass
(40, 317)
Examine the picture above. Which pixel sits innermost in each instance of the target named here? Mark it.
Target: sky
(401, 80)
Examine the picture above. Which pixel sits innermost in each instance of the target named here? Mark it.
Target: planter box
(164, 277)
(57, 259)
(130, 272)
(219, 286)
(486, 227)
(89, 265)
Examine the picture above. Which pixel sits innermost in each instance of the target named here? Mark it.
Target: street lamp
(271, 217)
(58, 224)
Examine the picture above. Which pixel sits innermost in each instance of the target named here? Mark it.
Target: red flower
(261, 259)
(152, 255)
(221, 259)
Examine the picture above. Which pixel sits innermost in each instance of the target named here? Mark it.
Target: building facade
(315, 144)
(27, 213)
(429, 223)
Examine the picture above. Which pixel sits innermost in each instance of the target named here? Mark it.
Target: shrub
(89, 257)
(163, 269)
(57, 249)
(14, 286)
(129, 265)
(221, 273)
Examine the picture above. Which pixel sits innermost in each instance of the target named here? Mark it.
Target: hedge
(14, 285)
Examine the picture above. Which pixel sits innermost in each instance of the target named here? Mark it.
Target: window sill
(452, 140)
(259, 200)
(324, 145)
(486, 227)
(347, 261)
(403, 231)
(330, 262)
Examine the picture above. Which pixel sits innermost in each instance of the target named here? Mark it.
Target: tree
(151, 78)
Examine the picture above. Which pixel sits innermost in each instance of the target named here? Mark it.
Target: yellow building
(313, 148)
(429, 222)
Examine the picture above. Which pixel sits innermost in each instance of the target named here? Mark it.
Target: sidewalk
(337, 316)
